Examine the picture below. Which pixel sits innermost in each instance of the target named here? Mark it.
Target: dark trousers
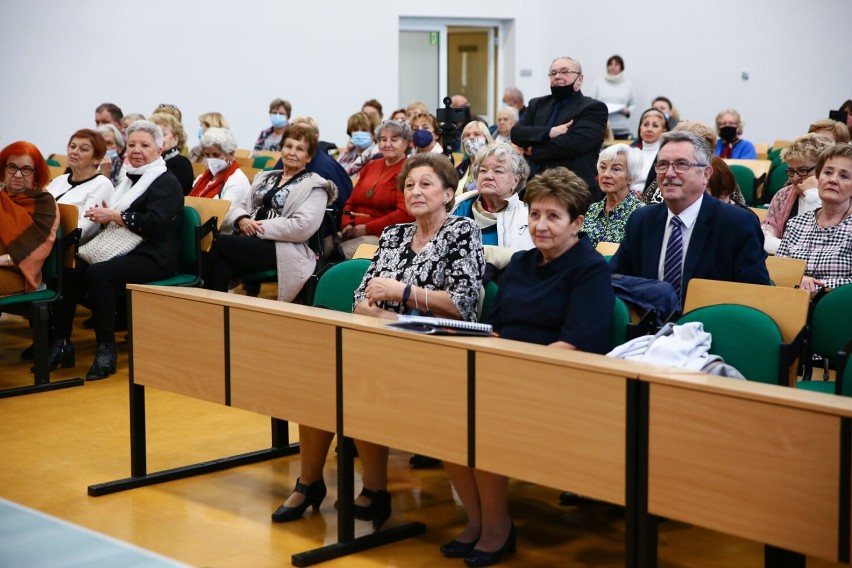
(235, 255)
(101, 282)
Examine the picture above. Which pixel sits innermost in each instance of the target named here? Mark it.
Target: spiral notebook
(441, 326)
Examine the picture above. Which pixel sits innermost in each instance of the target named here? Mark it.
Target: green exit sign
(433, 38)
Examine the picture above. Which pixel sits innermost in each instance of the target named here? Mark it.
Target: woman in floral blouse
(618, 166)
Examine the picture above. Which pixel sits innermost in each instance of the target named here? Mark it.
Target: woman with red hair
(29, 218)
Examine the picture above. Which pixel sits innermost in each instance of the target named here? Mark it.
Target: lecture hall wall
(61, 59)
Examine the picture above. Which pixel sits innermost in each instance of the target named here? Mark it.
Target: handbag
(113, 240)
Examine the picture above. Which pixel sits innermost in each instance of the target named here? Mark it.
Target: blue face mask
(112, 154)
(361, 139)
(422, 138)
(200, 132)
(278, 120)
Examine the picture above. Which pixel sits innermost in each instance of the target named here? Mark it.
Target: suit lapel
(653, 240)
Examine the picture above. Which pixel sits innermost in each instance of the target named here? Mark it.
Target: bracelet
(416, 305)
(406, 294)
(427, 299)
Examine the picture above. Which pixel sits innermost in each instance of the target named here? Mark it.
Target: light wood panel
(761, 471)
(283, 367)
(786, 272)
(208, 208)
(390, 400)
(552, 425)
(607, 249)
(760, 212)
(179, 346)
(759, 167)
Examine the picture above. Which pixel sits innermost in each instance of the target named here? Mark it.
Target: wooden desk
(760, 169)
(759, 461)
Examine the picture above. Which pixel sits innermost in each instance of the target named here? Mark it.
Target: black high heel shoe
(379, 509)
(478, 558)
(105, 362)
(457, 549)
(314, 494)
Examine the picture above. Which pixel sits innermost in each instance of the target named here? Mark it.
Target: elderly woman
(494, 205)
(205, 121)
(279, 115)
(800, 195)
(174, 138)
(374, 109)
(506, 118)
(823, 237)
(652, 125)
(474, 137)
(28, 218)
(359, 128)
(84, 186)
(375, 202)
(149, 203)
(617, 92)
(557, 294)
(618, 166)
(425, 135)
(113, 159)
(284, 209)
(831, 130)
(414, 108)
(223, 178)
(433, 265)
(729, 126)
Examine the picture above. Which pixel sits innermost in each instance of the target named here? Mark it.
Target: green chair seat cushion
(261, 275)
(176, 280)
(817, 386)
(37, 296)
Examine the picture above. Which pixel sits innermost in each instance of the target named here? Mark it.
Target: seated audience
(495, 206)
(652, 125)
(722, 184)
(729, 126)
(223, 178)
(800, 195)
(113, 160)
(205, 121)
(373, 108)
(474, 137)
(616, 91)
(375, 202)
(175, 112)
(514, 97)
(148, 202)
(433, 266)
(830, 129)
(424, 134)
(129, 119)
(506, 119)
(29, 218)
(269, 139)
(359, 128)
(174, 138)
(285, 208)
(823, 237)
(414, 108)
(399, 114)
(618, 166)
(557, 294)
(665, 106)
(84, 186)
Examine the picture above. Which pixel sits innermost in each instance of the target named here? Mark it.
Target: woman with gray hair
(147, 203)
(112, 161)
(618, 166)
(375, 202)
(500, 174)
(223, 178)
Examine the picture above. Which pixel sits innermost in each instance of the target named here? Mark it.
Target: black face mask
(728, 133)
(563, 92)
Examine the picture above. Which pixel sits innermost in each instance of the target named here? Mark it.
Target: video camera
(449, 119)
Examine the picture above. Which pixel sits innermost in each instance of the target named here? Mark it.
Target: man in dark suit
(692, 234)
(564, 128)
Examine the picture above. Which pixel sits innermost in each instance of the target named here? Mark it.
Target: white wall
(63, 58)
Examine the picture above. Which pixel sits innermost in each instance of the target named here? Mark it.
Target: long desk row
(762, 462)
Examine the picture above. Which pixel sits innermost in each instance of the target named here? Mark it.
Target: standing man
(564, 128)
(514, 98)
(692, 234)
(108, 113)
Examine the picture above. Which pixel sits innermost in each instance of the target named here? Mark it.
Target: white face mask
(216, 165)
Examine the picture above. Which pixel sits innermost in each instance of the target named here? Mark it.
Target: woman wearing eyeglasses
(29, 218)
(800, 194)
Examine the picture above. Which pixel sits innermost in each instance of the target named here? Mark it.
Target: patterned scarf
(27, 231)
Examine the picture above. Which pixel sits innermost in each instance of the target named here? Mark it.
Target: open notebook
(441, 326)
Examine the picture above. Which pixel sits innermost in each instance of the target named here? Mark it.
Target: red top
(376, 195)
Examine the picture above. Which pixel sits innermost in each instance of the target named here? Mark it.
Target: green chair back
(620, 322)
(844, 371)
(337, 285)
(190, 249)
(831, 325)
(777, 179)
(773, 153)
(745, 179)
(744, 337)
(260, 162)
(488, 299)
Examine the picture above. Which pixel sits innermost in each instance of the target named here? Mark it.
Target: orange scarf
(28, 223)
(207, 186)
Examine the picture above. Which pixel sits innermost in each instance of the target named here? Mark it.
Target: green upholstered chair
(488, 300)
(338, 283)
(745, 180)
(831, 330)
(777, 179)
(191, 233)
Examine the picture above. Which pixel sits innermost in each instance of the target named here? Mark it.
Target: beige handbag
(113, 240)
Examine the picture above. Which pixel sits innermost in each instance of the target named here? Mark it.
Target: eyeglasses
(565, 72)
(803, 172)
(680, 167)
(12, 169)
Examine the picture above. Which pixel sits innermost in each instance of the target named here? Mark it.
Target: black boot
(61, 354)
(104, 364)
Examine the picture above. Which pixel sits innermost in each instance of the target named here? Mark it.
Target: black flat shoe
(379, 509)
(105, 362)
(314, 494)
(569, 499)
(61, 354)
(457, 548)
(481, 558)
(423, 462)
